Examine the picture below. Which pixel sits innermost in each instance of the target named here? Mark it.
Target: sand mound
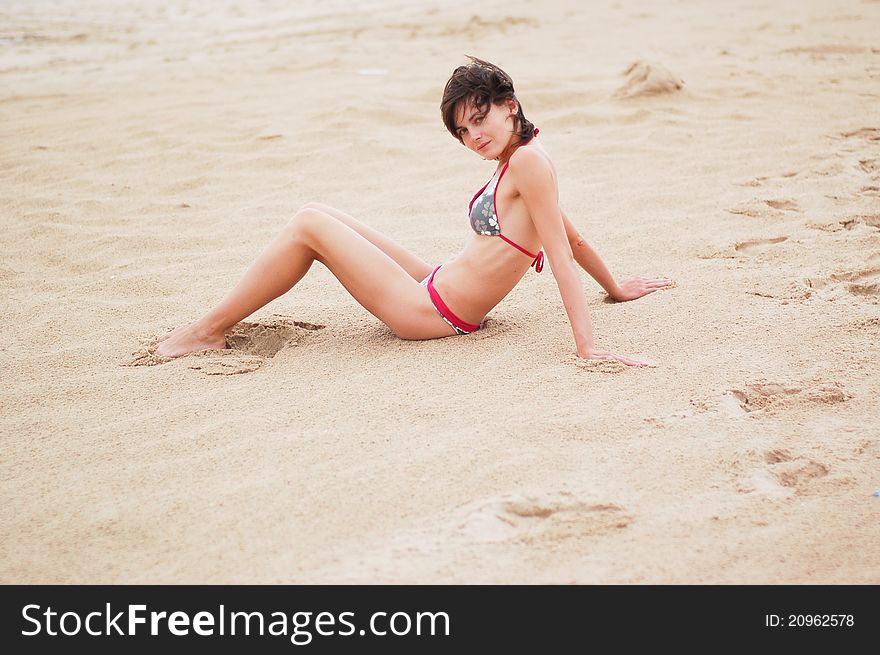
(647, 79)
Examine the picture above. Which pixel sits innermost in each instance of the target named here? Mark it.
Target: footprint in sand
(751, 247)
(267, 337)
(747, 210)
(795, 291)
(785, 204)
(542, 518)
(794, 472)
(767, 398)
(849, 223)
(756, 209)
(783, 474)
(860, 283)
(757, 244)
(869, 165)
(249, 345)
(866, 133)
(762, 396)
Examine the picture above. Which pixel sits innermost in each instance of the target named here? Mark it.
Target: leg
(375, 280)
(409, 262)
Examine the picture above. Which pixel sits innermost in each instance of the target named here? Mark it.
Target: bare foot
(189, 339)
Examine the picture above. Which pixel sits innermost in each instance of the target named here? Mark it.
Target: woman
(412, 298)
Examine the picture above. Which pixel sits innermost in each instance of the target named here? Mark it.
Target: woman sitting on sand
(414, 299)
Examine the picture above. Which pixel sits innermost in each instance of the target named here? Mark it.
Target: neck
(505, 156)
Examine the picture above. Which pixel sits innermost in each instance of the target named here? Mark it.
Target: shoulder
(529, 160)
(529, 167)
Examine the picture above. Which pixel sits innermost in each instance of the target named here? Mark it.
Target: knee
(313, 205)
(305, 220)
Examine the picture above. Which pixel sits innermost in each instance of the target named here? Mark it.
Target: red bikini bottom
(460, 326)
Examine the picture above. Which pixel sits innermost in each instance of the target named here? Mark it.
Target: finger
(633, 362)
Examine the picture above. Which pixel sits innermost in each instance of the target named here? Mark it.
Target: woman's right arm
(531, 176)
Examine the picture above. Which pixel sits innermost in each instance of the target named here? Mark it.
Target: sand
(149, 152)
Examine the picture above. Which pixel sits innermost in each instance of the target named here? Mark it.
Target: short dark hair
(485, 84)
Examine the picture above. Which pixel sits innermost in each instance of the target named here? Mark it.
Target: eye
(479, 119)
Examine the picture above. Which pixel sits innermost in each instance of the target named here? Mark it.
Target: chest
(494, 204)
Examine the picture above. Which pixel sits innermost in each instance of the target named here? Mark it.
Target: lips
(483, 146)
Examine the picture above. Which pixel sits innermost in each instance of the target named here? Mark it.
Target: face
(488, 132)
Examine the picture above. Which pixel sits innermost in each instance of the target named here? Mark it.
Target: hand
(636, 287)
(610, 356)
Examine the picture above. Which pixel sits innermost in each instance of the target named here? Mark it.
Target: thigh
(373, 278)
(414, 265)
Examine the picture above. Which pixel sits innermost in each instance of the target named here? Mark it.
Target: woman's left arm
(627, 289)
(533, 179)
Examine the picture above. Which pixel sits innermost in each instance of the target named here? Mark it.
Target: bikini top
(484, 216)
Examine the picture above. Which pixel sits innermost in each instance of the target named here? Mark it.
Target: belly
(476, 280)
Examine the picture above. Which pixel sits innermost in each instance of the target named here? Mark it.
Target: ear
(513, 106)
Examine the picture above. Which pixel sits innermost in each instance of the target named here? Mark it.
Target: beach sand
(149, 153)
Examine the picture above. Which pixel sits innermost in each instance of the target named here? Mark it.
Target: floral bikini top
(484, 216)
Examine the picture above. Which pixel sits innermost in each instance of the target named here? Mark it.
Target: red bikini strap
(518, 247)
(539, 262)
(477, 195)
